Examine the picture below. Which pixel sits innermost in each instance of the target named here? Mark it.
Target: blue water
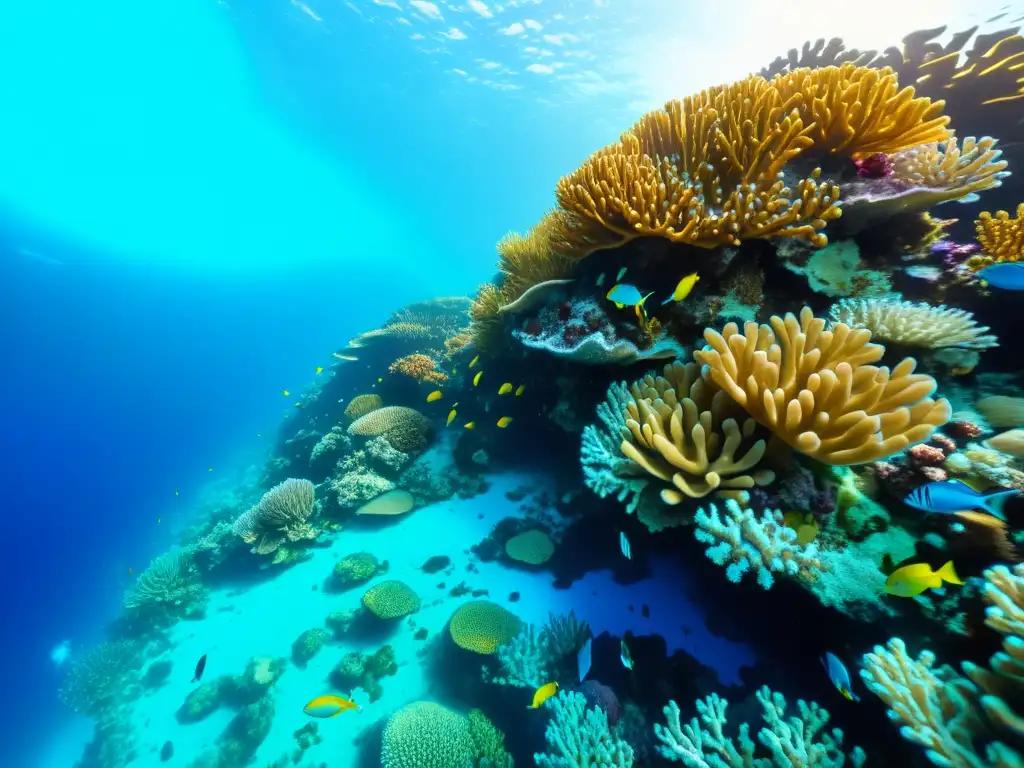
(199, 202)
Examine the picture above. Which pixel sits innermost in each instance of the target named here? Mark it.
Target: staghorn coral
(741, 541)
(579, 737)
(482, 626)
(419, 367)
(360, 405)
(796, 741)
(913, 324)
(818, 391)
(171, 580)
(280, 516)
(405, 428)
(101, 679)
(1001, 237)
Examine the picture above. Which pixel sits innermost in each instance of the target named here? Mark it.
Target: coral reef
(913, 324)
(531, 658)
(171, 583)
(578, 736)
(406, 429)
(482, 627)
(280, 516)
(102, 679)
(419, 367)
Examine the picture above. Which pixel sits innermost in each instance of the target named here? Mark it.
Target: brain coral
(391, 600)
(360, 405)
(426, 735)
(533, 547)
(405, 428)
(482, 626)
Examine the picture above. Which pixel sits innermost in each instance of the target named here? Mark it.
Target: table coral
(795, 741)
(818, 391)
(741, 541)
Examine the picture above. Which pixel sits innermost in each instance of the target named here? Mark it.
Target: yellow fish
(435, 395)
(285, 392)
(329, 706)
(474, 361)
(470, 425)
(476, 379)
(542, 694)
(912, 580)
(683, 288)
(505, 388)
(520, 389)
(504, 421)
(451, 418)
(319, 369)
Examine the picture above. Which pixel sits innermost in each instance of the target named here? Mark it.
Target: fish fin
(619, 306)
(948, 574)
(645, 298)
(993, 503)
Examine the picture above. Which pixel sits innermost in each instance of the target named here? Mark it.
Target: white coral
(916, 325)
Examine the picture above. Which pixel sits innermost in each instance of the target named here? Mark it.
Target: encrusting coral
(800, 740)
(819, 392)
(280, 516)
(913, 324)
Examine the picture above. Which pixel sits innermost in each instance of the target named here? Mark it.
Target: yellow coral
(1001, 237)
(487, 323)
(947, 171)
(679, 428)
(360, 405)
(482, 626)
(391, 600)
(419, 367)
(818, 389)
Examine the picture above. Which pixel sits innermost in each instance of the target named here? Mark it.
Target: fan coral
(391, 600)
(579, 736)
(818, 391)
(280, 516)
(797, 741)
(170, 580)
(917, 325)
(420, 368)
(742, 542)
(405, 428)
(482, 626)
(360, 405)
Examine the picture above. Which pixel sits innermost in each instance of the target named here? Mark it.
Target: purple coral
(876, 166)
(799, 491)
(600, 696)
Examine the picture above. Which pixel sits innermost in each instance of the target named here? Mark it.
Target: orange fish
(328, 706)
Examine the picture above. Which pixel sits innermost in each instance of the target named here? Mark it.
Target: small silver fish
(600, 280)
(624, 545)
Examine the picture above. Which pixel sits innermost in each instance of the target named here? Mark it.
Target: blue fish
(624, 295)
(951, 496)
(583, 660)
(1008, 275)
(838, 674)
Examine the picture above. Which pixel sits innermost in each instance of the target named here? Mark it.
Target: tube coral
(819, 392)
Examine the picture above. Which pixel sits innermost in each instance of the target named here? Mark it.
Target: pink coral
(945, 444)
(963, 430)
(876, 166)
(926, 456)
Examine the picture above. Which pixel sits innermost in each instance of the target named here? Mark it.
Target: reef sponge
(101, 679)
(482, 626)
(419, 367)
(741, 541)
(579, 737)
(1001, 237)
(426, 735)
(680, 429)
(533, 547)
(391, 600)
(279, 517)
(360, 405)
(818, 391)
(171, 580)
(406, 429)
(913, 324)
(797, 741)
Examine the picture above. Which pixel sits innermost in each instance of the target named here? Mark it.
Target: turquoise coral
(605, 470)
(579, 737)
(741, 541)
(795, 742)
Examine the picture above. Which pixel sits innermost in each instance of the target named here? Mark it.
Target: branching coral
(579, 737)
(912, 324)
(419, 367)
(170, 580)
(531, 658)
(795, 741)
(818, 391)
(605, 470)
(280, 516)
(741, 541)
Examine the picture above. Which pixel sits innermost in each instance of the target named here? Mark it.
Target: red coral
(963, 430)
(945, 444)
(926, 456)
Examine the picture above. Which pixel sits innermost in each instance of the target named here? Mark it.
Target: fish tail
(993, 503)
(947, 573)
(645, 298)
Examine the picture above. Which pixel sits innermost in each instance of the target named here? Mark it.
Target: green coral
(308, 644)
(357, 568)
(488, 741)
(426, 735)
(391, 600)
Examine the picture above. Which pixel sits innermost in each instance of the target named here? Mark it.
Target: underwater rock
(359, 670)
(157, 674)
(202, 701)
(166, 751)
(341, 622)
(436, 563)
